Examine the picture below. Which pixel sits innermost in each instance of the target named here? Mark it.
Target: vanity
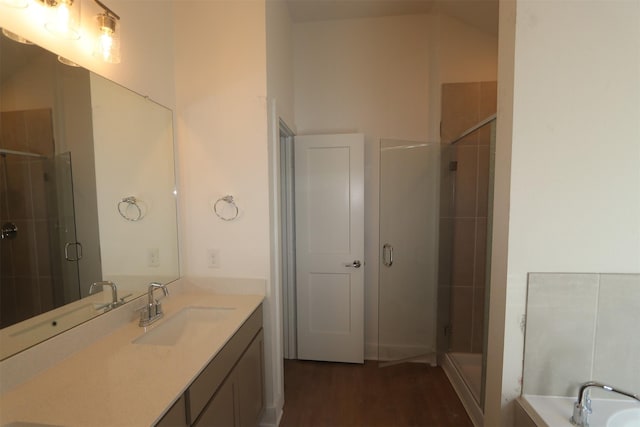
(202, 364)
(71, 354)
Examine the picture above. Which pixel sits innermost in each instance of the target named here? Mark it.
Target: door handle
(78, 247)
(387, 249)
(9, 230)
(354, 264)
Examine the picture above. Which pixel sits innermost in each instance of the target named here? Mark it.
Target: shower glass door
(36, 197)
(67, 251)
(466, 200)
(408, 250)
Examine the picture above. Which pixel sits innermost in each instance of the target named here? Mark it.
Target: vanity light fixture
(64, 18)
(108, 43)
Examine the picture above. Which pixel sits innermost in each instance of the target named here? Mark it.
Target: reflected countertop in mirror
(87, 182)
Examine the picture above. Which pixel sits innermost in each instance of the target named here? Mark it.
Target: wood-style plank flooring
(340, 395)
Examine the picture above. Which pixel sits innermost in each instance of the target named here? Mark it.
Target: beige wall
(568, 145)
(465, 54)
(280, 59)
(223, 132)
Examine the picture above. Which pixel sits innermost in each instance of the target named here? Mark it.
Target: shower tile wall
(26, 277)
(463, 213)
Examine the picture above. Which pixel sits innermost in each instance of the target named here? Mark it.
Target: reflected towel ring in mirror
(227, 211)
(129, 209)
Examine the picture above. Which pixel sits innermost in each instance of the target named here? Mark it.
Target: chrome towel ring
(225, 208)
(129, 209)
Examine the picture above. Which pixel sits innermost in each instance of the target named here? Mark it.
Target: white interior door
(329, 204)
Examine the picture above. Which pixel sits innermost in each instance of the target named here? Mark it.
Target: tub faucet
(153, 310)
(582, 407)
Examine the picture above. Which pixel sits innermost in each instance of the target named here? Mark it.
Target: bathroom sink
(625, 418)
(169, 331)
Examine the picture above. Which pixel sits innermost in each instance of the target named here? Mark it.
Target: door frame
(288, 241)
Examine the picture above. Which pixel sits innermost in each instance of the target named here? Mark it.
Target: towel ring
(124, 206)
(220, 210)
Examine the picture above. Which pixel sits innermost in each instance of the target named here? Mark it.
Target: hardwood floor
(335, 394)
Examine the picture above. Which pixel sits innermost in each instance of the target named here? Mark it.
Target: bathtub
(548, 411)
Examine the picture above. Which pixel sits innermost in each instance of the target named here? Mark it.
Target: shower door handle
(387, 255)
(78, 256)
(9, 230)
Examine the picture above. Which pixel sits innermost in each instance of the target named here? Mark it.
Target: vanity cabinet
(229, 392)
(240, 398)
(176, 416)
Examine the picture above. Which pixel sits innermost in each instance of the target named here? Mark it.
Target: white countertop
(114, 382)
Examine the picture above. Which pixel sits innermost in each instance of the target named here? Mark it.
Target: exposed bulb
(106, 43)
(62, 15)
(61, 22)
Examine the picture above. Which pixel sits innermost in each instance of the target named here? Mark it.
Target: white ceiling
(482, 14)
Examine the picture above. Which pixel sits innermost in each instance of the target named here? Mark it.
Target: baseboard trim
(463, 392)
(400, 353)
(271, 417)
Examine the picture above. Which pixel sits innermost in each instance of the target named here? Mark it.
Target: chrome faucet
(582, 407)
(153, 310)
(114, 294)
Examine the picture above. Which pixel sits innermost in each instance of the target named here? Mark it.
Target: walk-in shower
(39, 267)
(466, 183)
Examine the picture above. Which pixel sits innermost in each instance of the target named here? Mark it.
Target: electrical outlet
(213, 258)
(153, 257)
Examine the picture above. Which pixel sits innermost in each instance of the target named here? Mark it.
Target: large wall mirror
(87, 194)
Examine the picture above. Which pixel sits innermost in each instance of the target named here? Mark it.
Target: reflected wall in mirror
(87, 193)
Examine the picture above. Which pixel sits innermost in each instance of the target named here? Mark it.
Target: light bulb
(107, 45)
(62, 15)
(64, 19)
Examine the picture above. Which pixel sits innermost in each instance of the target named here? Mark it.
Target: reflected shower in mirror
(73, 148)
